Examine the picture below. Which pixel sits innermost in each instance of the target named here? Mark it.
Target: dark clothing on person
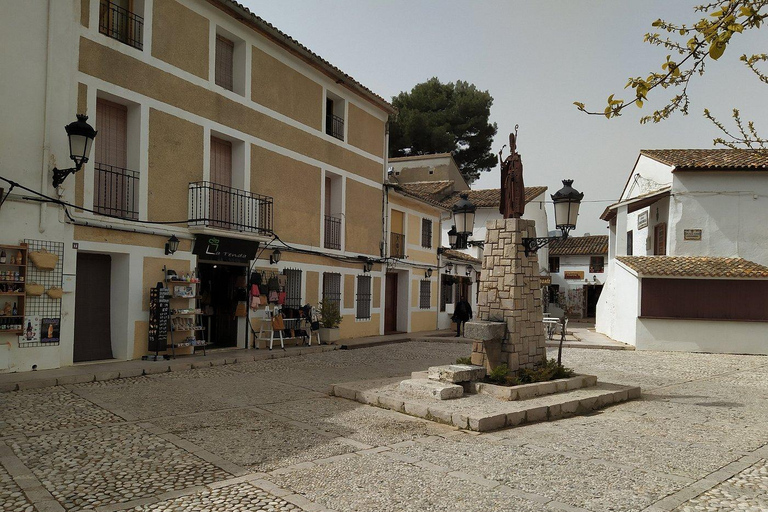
(461, 314)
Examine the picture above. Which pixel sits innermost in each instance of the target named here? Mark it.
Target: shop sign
(217, 248)
(545, 280)
(574, 274)
(692, 234)
(642, 220)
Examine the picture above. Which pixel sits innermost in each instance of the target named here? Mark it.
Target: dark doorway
(93, 333)
(390, 304)
(593, 294)
(220, 285)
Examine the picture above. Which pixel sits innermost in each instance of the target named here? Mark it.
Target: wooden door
(93, 333)
(221, 179)
(110, 195)
(390, 304)
(660, 240)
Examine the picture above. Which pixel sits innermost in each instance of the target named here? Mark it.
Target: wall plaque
(545, 280)
(692, 234)
(574, 274)
(642, 220)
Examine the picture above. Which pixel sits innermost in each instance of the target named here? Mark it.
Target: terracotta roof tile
(579, 245)
(452, 254)
(491, 197)
(694, 266)
(304, 52)
(424, 194)
(720, 159)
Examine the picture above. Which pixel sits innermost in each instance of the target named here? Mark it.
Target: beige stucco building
(213, 127)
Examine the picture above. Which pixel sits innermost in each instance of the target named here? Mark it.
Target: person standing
(461, 314)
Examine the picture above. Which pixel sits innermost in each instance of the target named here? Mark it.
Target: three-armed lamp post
(567, 201)
(81, 136)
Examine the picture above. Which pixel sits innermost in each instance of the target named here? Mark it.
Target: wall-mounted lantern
(172, 245)
(274, 258)
(81, 135)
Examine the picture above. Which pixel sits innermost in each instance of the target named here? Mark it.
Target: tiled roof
(579, 245)
(491, 197)
(242, 13)
(419, 157)
(694, 266)
(407, 190)
(460, 256)
(691, 159)
(435, 190)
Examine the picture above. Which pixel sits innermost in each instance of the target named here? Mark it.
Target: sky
(535, 58)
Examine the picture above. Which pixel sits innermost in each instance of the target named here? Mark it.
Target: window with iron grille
(596, 264)
(332, 287)
(293, 288)
(554, 264)
(425, 290)
(225, 63)
(363, 310)
(426, 233)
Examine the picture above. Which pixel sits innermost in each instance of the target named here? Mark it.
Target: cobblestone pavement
(265, 436)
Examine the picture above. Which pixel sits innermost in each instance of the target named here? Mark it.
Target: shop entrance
(222, 286)
(592, 295)
(390, 304)
(93, 334)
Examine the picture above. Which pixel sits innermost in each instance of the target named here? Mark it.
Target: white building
(687, 253)
(577, 272)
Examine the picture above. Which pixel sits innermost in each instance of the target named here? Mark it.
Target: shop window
(332, 288)
(225, 50)
(425, 290)
(596, 264)
(363, 310)
(426, 233)
(293, 288)
(554, 264)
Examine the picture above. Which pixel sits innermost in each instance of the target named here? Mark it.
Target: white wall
(729, 208)
(643, 238)
(647, 176)
(702, 336)
(619, 305)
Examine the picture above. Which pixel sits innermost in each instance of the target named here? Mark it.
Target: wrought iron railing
(396, 245)
(218, 206)
(116, 191)
(332, 232)
(334, 126)
(121, 24)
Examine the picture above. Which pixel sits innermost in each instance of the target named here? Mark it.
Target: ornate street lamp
(172, 245)
(81, 136)
(567, 201)
(452, 237)
(464, 216)
(274, 258)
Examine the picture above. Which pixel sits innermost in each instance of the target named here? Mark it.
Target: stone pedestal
(510, 293)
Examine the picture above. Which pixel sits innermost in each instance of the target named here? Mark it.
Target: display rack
(12, 288)
(187, 320)
(43, 307)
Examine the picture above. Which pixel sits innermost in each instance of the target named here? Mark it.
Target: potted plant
(329, 322)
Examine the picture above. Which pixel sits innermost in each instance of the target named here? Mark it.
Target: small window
(629, 243)
(293, 288)
(363, 310)
(596, 264)
(554, 264)
(332, 288)
(334, 116)
(225, 63)
(426, 233)
(118, 21)
(425, 290)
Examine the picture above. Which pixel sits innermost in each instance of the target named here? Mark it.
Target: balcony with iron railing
(334, 126)
(396, 245)
(116, 191)
(332, 232)
(121, 24)
(216, 206)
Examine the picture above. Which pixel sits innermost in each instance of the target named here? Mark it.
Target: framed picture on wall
(642, 220)
(49, 330)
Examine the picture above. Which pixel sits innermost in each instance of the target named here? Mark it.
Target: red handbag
(281, 298)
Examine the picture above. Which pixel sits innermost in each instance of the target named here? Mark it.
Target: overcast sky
(535, 58)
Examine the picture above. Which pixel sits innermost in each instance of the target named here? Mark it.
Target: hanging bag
(34, 289)
(262, 300)
(255, 302)
(255, 290)
(55, 292)
(43, 259)
(273, 296)
(281, 298)
(241, 310)
(277, 323)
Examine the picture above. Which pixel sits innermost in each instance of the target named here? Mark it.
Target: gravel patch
(253, 440)
(241, 497)
(89, 468)
(747, 490)
(40, 410)
(376, 483)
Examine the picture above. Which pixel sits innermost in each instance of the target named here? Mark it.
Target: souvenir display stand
(12, 288)
(186, 322)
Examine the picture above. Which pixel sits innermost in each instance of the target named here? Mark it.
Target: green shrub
(464, 360)
(329, 313)
(549, 370)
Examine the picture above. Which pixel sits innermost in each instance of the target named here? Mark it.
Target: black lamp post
(567, 201)
(81, 136)
(464, 220)
(452, 237)
(172, 245)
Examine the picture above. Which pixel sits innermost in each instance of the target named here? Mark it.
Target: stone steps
(481, 412)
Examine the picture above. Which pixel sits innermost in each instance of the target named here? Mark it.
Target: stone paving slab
(12, 498)
(114, 464)
(482, 412)
(747, 490)
(224, 499)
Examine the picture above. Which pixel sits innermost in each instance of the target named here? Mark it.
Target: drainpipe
(385, 202)
(46, 106)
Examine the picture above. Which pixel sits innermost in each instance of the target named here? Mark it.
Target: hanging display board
(235, 250)
(159, 317)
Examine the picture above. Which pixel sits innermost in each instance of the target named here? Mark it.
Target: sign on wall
(692, 234)
(642, 220)
(574, 274)
(545, 280)
(225, 249)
